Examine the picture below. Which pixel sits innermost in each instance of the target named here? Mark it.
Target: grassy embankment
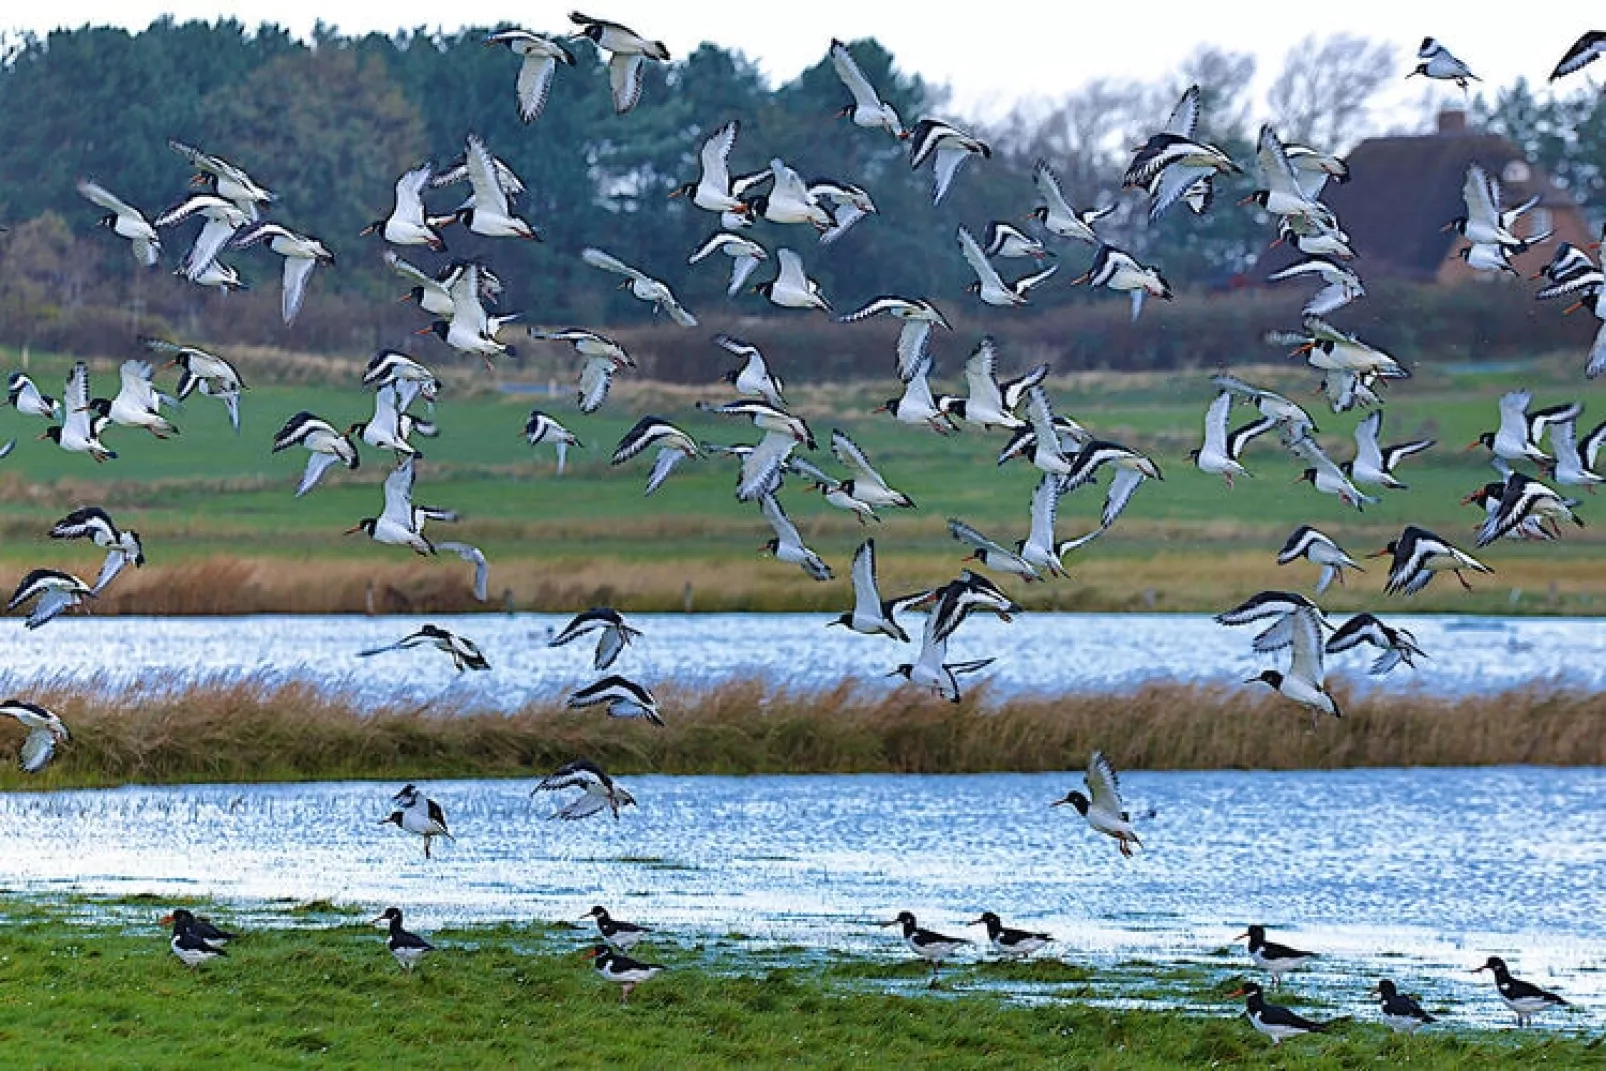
(224, 535)
(324, 992)
(254, 731)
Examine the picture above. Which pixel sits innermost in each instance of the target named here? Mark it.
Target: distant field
(224, 534)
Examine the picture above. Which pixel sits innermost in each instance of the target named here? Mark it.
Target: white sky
(990, 62)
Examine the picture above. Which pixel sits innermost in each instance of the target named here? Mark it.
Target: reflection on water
(1038, 653)
(1418, 874)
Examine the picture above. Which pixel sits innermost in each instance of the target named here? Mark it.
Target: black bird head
(1075, 799)
(1269, 677)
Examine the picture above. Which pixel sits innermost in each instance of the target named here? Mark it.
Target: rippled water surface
(1419, 874)
(1037, 653)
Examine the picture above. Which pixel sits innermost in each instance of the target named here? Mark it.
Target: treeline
(330, 124)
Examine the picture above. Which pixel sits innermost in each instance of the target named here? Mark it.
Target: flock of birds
(1173, 166)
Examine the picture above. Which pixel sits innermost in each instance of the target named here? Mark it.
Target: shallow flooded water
(1043, 653)
(1414, 874)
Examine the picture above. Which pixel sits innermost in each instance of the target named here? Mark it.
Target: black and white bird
(1308, 542)
(401, 523)
(122, 545)
(28, 399)
(1116, 269)
(1440, 63)
(1279, 189)
(1575, 462)
(1522, 498)
(744, 253)
(674, 446)
(790, 200)
(787, 544)
(125, 221)
(1056, 214)
(326, 445)
(621, 970)
(81, 424)
(464, 652)
(871, 614)
(1399, 647)
(1401, 1012)
(930, 670)
(1102, 806)
(56, 591)
(1172, 161)
(1339, 283)
(753, 379)
(1131, 467)
(712, 192)
(1374, 464)
(598, 792)
(416, 813)
(918, 316)
(203, 928)
(407, 948)
(1291, 418)
(642, 285)
(1273, 1020)
(301, 254)
(539, 59)
(138, 403)
(989, 285)
(224, 179)
(603, 357)
(223, 219)
(627, 51)
(989, 403)
(1276, 959)
(622, 697)
(191, 949)
(1297, 624)
(1039, 549)
(1589, 47)
(45, 733)
(929, 945)
(948, 147)
(864, 483)
(408, 222)
(493, 185)
(846, 204)
(1324, 474)
(1523, 998)
(612, 632)
(990, 553)
(203, 372)
(868, 110)
(1221, 450)
(1007, 241)
(792, 288)
(1520, 431)
(1016, 944)
(1418, 556)
(621, 935)
(541, 428)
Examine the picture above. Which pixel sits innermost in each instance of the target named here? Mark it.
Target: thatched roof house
(1404, 189)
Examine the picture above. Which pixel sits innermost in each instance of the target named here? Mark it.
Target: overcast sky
(1032, 49)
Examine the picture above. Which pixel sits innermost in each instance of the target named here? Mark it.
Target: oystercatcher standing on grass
(408, 948)
(1273, 1020)
(191, 949)
(1401, 1012)
(927, 944)
(622, 970)
(1523, 998)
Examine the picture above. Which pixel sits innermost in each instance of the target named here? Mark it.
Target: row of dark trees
(330, 123)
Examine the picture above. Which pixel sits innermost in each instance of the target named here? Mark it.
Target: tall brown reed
(256, 729)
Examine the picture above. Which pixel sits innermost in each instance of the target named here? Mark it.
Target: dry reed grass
(1187, 579)
(256, 729)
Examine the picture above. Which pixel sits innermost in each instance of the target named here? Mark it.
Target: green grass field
(1184, 543)
(92, 984)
